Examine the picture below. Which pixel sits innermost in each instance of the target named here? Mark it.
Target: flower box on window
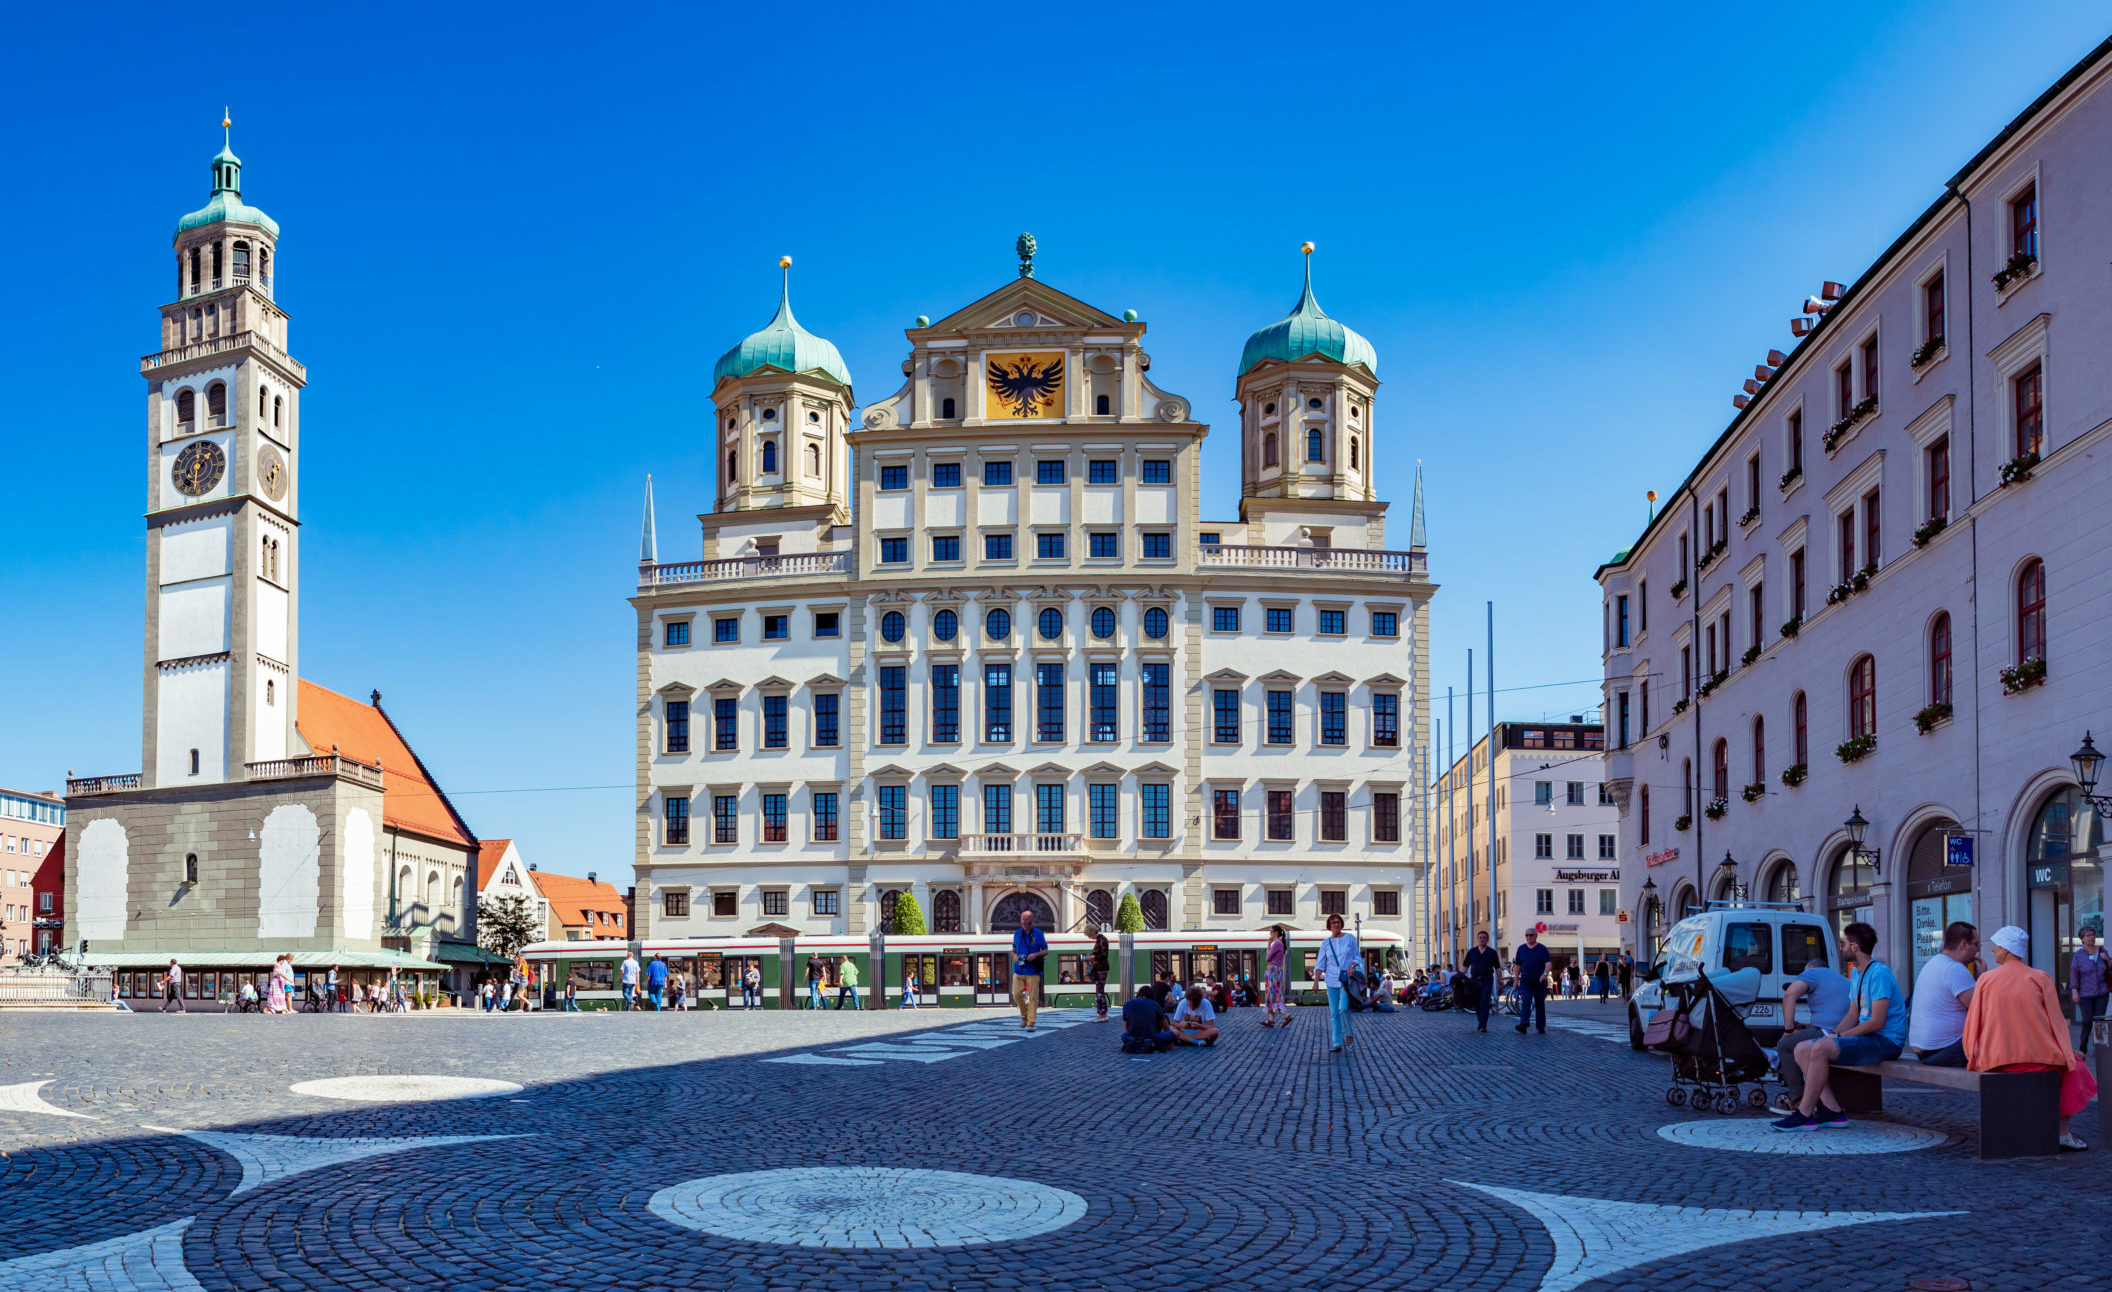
(1928, 350)
(1752, 514)
(1751, 653)
(1929, 529)
(1753, 791)
(2022, 677)
(1716, 808)
(1856, 748)
(2019, 268)
(1839, 430)
(1790, 477)
(2018, 469)
(1711, 683)
(1679, 589)
(1794, 775)
(1930, 717)
(1792, 625)
(1682, 823)
(1679, 707)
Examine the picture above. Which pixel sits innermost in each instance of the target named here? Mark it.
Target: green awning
(262, 960)
(464, 953)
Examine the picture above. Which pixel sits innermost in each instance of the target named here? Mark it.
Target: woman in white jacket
(1338, 954)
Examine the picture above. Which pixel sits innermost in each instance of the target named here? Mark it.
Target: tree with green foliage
(506, 924)
(909, 917)
(1129, 917)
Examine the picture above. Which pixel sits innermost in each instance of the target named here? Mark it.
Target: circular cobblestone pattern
(404, 1089)
(1755, 1135)
(867, 1206)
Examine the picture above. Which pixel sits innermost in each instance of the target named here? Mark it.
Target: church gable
(1025, 305)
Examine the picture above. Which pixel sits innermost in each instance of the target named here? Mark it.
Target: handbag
(1667, 1026)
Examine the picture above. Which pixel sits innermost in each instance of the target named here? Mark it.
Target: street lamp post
(1727, 875)
(1857, 828)
(2087, 764)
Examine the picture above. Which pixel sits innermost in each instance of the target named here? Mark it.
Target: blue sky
(514, 245)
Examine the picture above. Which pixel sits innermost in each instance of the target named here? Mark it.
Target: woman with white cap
(2015, 1024)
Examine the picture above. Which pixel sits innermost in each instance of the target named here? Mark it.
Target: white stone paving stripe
(1757, 1135)
(267, 1158)
(823, 1060)
(23, 1098)
(149, 1261)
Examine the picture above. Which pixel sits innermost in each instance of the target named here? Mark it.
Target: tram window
(709, 977)
(1748, 946)
(953, 972)
(594, 975)
(1074, 969)
(1802, 945)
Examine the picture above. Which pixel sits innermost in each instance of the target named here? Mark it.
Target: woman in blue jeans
(1337, 955)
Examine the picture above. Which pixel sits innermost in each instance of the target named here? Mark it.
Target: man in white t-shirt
(1195, 1019)
(630, 980)
(1942, 991)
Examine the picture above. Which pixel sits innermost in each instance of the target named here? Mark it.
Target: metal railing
(1001, 844)
(279, 769)
(1339, 560)
(743, 567)
(54, 988)
(76, 785)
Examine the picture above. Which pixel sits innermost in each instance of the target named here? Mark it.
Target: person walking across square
(172, 988)
(1339, 954)
(1029, 947)
(2089, 984)
(1481, 972)
(847, 982)
(1532, 961)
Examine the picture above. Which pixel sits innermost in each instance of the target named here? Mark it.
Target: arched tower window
(264, 267)
(2031, 612)
(769, 457)
(1940, 660)
(946, 408)
(733, 466)
(1354, 455)
(186, 409)
(1315, 446)
(278, 407)
(216, 404)
(814, 460)
(217, 275)
(241, 262)
(194, 270)
(1268, 449)
(1862, 696)
(263, 401)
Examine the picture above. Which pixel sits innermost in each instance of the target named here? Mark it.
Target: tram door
(734, 971)
(1240, 964)
(1170, 965)
(993, 978)
(926, 968)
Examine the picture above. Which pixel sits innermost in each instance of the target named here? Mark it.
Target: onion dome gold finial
(1307, 248)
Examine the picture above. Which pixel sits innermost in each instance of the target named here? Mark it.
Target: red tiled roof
(490, 852)
(410, 799)
(572, 899)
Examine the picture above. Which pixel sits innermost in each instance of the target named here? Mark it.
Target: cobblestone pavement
(950, 1150)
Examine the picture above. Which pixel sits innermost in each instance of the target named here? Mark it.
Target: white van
(1764, 944)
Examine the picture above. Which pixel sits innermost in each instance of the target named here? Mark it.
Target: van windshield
(1682, 950)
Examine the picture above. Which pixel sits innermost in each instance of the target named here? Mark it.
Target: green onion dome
(1305, 331)
(783, 344)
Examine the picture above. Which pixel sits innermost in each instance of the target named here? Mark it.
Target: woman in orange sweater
(2015, 1025)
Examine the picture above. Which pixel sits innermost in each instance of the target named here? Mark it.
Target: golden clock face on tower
(199, 467)
(1024, 385)
(271, 471)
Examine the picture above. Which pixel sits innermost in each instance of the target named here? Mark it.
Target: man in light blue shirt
(1872, 1030)
(1824, 991)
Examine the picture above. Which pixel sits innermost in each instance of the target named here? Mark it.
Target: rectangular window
(1280, 814)
(1932, 311)
(1277, 619)
(1103, 471)
(1333, 901)
(1843, 390)
(675, 814)
(1796, 584)
(1224, 814)
(1544, 847)
(1609, 901)
(997, 474)
(826, 732)
(725, 818)
(1386, 903)
(827, 623)
(1282, 901)
(1620, 621)
(997, 809)
(1752, 482)
(726, 723)
(894, 551)
(774, 725)
(725, 630)
(773, 818)
(2030, 411)
(1103, 544)
(1385, 816)
(1386, 720)
(824, 816)
(997, 702)
(825, 901)
(1332, 623)
(1282, 718)
(725, 905)
(1576, 901)
(1543, 901)
(1155, 811)
(1543, 793)
(894, 477)
(1756, 611)
(1208, 537)
(1048, 702)
(1224, 619)
(1573, 794)
(1155, 704)
(1048, 547)
(776, 901)
(1224, 901)
(945, 703)
(1870, 368)
(997, 547)
(1158, 546)
(894, 811)
(678, 633)
(1050, 471)
(894, 718)
(1938, 457)
(1845, 522)
(945, 811)
(1574, 849)
(777, 628)
(1106, 682)
(2024, 223)
(945, 547)
(1607, 845)
(1225, 708)
(1157, 471)
(1048, 809)
(945, 475)
(1334, 718)
(1334, 816)
(675, 720)
(1385, 623)
(1104, 805)
(1872, 534)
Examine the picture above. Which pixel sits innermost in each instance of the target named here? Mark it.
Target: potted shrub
(1794, 775)
(1926, 720)
(1856, 748)
(1752, 514)
(1753, 791)
(1790, 477)
(1792, 625)
(1679, 589)
(2022, 677)
(1928, 350)
(1929, 529)
(1716, 808)
(1681, 822)
(1751, 653)
(2018, 469)
(1679, 706)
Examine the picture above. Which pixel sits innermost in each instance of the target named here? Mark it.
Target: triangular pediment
(774, 683)
(998, 772)
(825, 679)
(724, 684)
(891, 772)
(1103, 769)
(944, 770)
(1001, 309)
(1334, 679)
(1278, 675)
(676, 690)
(1050, 769)
(1156, 769)
(1385, 680)
(1226, 675)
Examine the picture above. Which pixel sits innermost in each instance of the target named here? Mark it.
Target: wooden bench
(2019, 1111)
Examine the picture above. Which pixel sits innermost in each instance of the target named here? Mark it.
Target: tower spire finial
(1416, 537)
(648, 538)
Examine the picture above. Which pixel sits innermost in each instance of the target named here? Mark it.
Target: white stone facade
(1078, 532)
(1954, 410)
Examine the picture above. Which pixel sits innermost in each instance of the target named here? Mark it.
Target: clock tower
(223, 495)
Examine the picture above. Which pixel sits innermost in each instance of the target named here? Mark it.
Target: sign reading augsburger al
(1588, 876)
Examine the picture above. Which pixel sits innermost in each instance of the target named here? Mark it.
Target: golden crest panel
(1023, 385)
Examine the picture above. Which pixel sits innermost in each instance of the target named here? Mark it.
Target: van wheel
(1635, 1028)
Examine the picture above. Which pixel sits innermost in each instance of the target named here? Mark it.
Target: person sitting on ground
(1871, 1032)
(2015, 1024)
(1824, 990)
(1382, 995)
(1145, 1027)
(1195, 1019)
(1943, 992)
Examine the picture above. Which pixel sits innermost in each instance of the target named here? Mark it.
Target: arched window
(405, 894)
(216, 404)
(263, 401)
(455, 898)
(1721, 782)
(1354, 457)
(814, 460)
(1642, 811)
(1862, 697)
(264, 267)
(1099, 909)
(186, 409)
(946, 911)
(432, 889)
(2031, 612)
(1685, 903)
(733, 466)
(1268, 449)
(241, 262)
(1782, 884)
(278, 406)
(1940, 659)
(769, 457)
(194, 269)
(1004, 917)
(946, 409)
(1154, 903)
(1802, 752)
(1848, 893)
(190, 868)
(1759, 749)
(1315, 444)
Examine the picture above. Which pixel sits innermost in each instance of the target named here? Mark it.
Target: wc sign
(1958, 850)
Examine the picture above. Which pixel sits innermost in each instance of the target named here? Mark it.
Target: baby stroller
(1710, 1048)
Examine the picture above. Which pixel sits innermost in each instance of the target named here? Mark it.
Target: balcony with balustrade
(276, 769)
(1023, 856)
(1407, 565)
(794, 565)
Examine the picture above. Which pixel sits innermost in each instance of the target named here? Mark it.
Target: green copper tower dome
(783, 344)
(1307, 330)
(226, 202)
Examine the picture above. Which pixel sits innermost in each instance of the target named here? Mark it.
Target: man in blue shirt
(1532, 961)
(656, 982)
(1872, 1030)
(1824, 991)
(1481, 972)
(1028, 949)
(1145, 1028)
